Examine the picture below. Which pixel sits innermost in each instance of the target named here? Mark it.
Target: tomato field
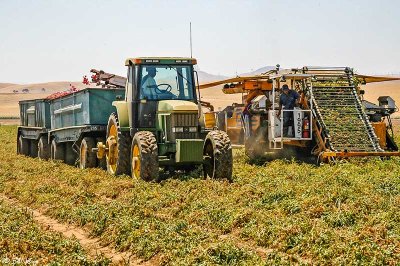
(277, 212)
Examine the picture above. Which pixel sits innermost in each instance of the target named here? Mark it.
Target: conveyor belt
(339, 112)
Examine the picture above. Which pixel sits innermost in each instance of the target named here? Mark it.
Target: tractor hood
(167, 106)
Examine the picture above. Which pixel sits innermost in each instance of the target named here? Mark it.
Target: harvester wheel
(118, 145)
(253, 150)
(101, 163)
(218, 155)
(23, 146)
(43, 148)
(87, 158)
(57, 151)
(144, 156)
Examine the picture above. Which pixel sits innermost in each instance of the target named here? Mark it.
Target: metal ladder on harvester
(339, 113)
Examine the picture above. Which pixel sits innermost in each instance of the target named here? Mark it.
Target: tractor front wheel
(217, 151)
(144, 156)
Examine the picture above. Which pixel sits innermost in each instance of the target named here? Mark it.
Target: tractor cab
(165, 82)
(162, 78)
(160, 86)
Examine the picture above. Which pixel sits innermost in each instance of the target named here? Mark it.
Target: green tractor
(160, 124)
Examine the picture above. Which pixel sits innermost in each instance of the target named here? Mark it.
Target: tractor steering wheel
(168, 89)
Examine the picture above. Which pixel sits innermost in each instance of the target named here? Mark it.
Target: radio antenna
(190, 27)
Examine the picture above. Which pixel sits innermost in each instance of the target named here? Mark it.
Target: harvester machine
(330, 119)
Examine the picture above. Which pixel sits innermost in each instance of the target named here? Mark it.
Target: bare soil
(91, 245)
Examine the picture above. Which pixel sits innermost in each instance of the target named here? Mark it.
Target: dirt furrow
(91, 245)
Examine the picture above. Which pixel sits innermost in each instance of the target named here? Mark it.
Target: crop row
(23, 242)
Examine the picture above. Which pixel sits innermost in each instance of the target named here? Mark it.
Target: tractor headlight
(177, 129)
(192, 129)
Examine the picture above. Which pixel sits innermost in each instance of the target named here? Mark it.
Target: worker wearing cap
(149, 84)
(287, 101)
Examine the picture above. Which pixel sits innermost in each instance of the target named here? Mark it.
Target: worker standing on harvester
(288, 100)
(149, 84)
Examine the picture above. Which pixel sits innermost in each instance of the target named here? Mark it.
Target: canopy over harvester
(327, 119)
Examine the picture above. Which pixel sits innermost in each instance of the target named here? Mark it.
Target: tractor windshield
(166, 82)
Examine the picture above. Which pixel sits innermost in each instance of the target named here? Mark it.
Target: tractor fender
(122, 111)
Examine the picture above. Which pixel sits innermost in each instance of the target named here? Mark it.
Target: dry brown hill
(9, 99)
(388, 88)
(49, 87)
(3, 85)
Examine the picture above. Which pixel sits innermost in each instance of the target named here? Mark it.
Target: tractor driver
(149, 84)
(288, 100)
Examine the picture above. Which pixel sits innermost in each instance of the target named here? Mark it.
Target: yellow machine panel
(210, 120)
(380, 131)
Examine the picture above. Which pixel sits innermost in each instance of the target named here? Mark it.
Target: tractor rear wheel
(87, 158)
(23, 146)
(218, 155)
(57, 151)
(118, 145)
(144, 156)
(43, 148)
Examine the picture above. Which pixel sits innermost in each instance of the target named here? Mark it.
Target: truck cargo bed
(91, 106)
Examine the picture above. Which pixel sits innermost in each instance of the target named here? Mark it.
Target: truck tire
(101, 163)
(23, 146)
(217, 150)
(144, 156)
(57, 151)
(119, 144)
(43, 148)
(87, 158)
(33, 148)
(71, 156)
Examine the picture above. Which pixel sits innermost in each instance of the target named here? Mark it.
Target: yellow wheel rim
(83, 152)
(112, 145)
(136, 161)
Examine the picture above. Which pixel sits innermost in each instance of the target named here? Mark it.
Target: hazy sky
(63, 39)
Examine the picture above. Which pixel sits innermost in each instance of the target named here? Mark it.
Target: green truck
(155, 121)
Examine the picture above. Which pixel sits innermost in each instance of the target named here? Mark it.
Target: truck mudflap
(189, 151)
